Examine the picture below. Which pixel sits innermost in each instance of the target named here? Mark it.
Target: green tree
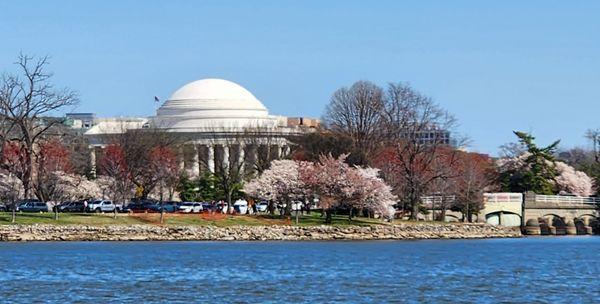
(537, 171)
(188, 189)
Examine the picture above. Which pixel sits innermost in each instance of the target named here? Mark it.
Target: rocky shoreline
(251, 233)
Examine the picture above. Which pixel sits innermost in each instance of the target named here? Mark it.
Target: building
(222, 124)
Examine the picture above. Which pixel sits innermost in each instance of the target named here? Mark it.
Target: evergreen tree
(537, 172)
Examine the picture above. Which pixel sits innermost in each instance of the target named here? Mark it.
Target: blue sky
(498, 66)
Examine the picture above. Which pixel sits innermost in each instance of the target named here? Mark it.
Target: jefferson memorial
(221, 122)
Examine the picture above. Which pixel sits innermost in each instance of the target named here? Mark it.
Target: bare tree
(260, 143)
(418, 133)
(594, 137)
(25, 100)
(137, 145)
(356, 112)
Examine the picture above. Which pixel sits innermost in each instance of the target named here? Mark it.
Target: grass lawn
(220, 220)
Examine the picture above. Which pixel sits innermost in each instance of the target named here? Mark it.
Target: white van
(241, 206)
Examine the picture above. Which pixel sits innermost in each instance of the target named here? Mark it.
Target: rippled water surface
(533, 270)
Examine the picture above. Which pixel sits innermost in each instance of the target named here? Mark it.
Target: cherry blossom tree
(12, 160)
(69, 187)
(572, 181)
(282, 183)
(373, 193)
(11, 189)
(566, 179)
(329, 179)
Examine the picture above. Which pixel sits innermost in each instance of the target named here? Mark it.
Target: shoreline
(147, 232)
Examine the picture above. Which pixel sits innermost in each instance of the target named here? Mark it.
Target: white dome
(216, 94)
(212, 103)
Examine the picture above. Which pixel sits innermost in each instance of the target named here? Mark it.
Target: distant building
(80, 120)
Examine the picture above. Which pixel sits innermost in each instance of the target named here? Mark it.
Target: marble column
(195, 162)
(181, 159)
(241, 158)
(286, 150)
(277, 152)
(225, 157)
(93, 161)
(210, 158)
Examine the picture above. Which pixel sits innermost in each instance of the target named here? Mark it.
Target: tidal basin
(531, 269)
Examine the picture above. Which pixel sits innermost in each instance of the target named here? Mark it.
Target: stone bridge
(560, 215)
(535, 214)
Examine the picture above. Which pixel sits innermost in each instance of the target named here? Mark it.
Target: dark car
(24, 202)
(34, 207)
(207, 206)
(60, 206)
(141, 206)
(72, 207)
(167, 206)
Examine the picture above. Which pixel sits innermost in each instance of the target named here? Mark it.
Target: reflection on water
(540, 270)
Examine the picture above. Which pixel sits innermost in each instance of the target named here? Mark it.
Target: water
(532, 270)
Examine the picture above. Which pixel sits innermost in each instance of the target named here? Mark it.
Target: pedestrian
(85, 204)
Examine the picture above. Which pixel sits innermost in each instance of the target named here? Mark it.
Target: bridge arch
(554, 220)
(552, 224)
(504, 218)
(451, 218)
(585, 222)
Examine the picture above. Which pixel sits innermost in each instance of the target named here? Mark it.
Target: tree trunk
(14, 213)
(297, 216)
(55, 213)
(271, 207)
(228, 198)
(28, 171)
(415, 210)
(350, 213)
(328, 217)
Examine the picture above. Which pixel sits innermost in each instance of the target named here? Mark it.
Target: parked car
(167, 206)
(190, 207)
(262, 206)
(3, 207)
(72, 207)
(221, 207)
(101, 206)
(34, 207)
(207, 206)
(240, 206)
(297, 206)
(24, 202)
(140, 206)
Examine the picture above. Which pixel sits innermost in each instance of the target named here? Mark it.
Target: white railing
(437, 199)
(503, 197)
(566, 199)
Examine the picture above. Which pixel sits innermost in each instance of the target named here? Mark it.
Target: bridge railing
(437, 199)
(502, 197)
(563, 199)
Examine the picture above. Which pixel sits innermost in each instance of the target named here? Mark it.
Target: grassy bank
(220, 220)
